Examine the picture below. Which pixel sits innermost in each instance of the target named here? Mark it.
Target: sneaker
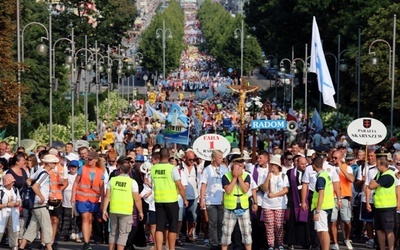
(78, 240)
(348, 244)
(179, 243)
(281, 248)
(206, 242)
(86, 246)
(370, 243)
(335, 247)
(271, 248)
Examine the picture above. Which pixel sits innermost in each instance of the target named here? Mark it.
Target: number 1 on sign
(211, 144)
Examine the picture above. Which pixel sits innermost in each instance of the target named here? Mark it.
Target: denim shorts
(87, 206)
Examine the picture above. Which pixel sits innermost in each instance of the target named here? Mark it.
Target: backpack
(29, 196)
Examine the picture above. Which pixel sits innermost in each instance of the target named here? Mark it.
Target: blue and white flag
(151, 112)
(318, 65)
(176, 117)
(317, 121)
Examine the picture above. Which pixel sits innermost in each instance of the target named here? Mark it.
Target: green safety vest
(121, 201)
(386, 197)
(329, 199)
(237, 195)
(164, 187)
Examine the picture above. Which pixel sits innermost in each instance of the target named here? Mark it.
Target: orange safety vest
(88, 190)
(345, 185)
(55, 189)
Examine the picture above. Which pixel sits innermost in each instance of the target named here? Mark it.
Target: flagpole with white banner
(319, 66)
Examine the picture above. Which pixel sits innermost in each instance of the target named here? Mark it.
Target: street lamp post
(339, 66)
(241, 30)
(282, 69)
(392, 61)
(163, 32)
(42, 50)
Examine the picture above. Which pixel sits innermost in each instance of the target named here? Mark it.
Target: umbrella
(28, 144)
(58, 144)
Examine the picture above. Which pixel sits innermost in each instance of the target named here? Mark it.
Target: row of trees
(103, 21)
(151, 39)
(219, 27)
(283, 24)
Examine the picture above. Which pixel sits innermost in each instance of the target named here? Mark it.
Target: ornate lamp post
(392, 61)
(163, 32)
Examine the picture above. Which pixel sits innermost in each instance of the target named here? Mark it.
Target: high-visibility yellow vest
(237, 195)
(164, 187)
(121, 200)
(329, 200)
(385, 197)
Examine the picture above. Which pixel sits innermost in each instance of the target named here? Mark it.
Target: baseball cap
(73, 163)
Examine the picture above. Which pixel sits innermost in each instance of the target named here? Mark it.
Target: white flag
(319, 66)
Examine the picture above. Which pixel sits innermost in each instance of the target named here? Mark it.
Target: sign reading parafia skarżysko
(367, 131)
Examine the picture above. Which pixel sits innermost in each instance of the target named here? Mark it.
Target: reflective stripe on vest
(55, 177)
(121, 200)
(237, 195)
(386, 197)
(329, 201)
(89, 190)
(164, 187)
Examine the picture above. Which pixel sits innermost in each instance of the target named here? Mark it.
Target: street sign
(268, 124)
(367, 131)
(206, 144)
(145, 77)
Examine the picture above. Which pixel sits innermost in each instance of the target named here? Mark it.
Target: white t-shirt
(310, 176)
(192, 191)
(277, 183)
(9, 196)
(44, 185)
(184, 182)
(68, 191)
(369, 175)
(262, 176)
(212, 177)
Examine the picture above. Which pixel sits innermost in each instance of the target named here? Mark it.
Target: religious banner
(176, 126)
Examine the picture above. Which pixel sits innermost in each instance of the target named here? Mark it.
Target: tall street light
(272, 62)
(241, 30)
(42, 50)
(98, 63)
(340, 66)
(162, 32)
(392, 61)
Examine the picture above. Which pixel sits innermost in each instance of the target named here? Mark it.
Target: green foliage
(115, 104)
(151, 46)
(220, 39)
(329, 120)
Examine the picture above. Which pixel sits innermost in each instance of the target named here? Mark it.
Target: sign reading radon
(268, 124)
(206, 144)
(367, 131)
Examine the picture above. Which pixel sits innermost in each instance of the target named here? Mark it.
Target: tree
(9, 88)
(221, 39)
(151, 45)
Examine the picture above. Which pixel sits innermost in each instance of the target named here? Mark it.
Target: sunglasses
(190, 159)
(111, 161)
(289, 159)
